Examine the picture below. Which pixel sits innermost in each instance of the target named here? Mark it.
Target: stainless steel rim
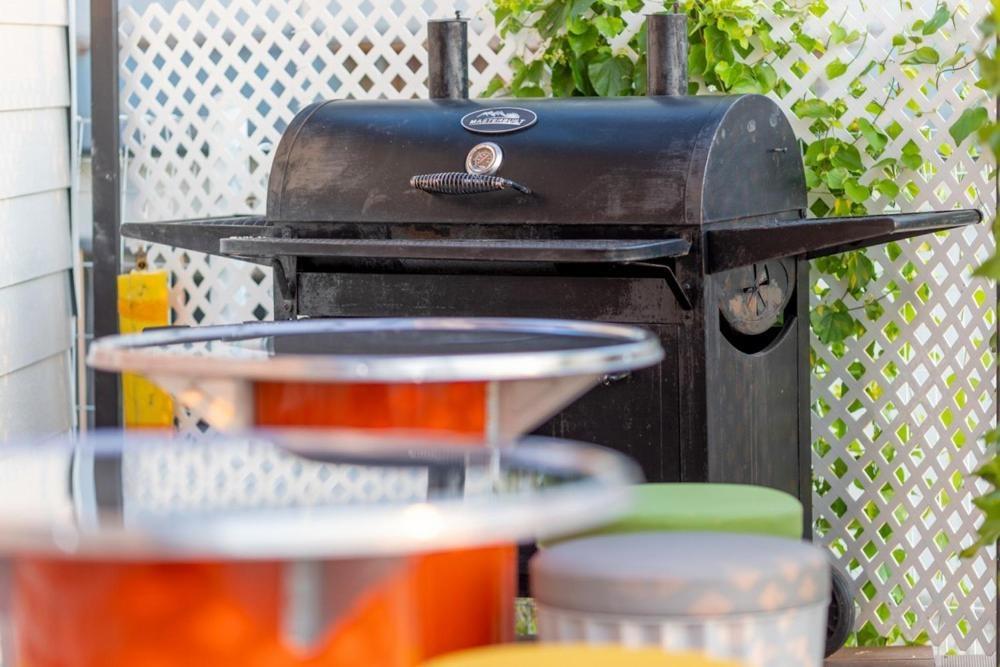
(600, 493)
(634, 348)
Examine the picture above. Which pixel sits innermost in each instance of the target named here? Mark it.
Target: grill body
(723, 406)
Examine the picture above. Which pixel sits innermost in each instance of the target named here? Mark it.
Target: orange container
(384, 567)
(221, 614)
(85, 613)
(484, 379)
(456, 407)
(465, 598)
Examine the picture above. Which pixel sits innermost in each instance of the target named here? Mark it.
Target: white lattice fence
(899, 413)
(209, 85)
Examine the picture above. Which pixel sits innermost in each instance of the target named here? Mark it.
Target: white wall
(35, 238)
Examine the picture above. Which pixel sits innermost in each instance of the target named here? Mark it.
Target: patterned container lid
(294, 495)
(680, 574)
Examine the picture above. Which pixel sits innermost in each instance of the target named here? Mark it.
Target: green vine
(989, 136)
(733, 50)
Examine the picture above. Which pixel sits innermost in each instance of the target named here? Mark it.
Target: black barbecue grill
(686, 215)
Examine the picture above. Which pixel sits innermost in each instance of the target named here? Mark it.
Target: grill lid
(676, 161)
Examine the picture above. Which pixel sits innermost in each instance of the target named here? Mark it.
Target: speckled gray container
(759, 600)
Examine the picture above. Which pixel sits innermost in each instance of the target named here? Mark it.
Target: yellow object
(144, 301)
(570, 655)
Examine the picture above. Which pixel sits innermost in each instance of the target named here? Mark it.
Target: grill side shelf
(600, 251)
(743, 244)
(201, 235)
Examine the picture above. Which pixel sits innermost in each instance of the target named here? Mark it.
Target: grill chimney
(448, 58)
(667, 53)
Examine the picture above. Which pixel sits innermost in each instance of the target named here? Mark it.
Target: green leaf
(831, 264)
(496, 85)
(955, 59)
(872, 135)
(639, 82)
(887, 187)
(584, 41)
(563, 84)
(990, 471)
(832, 323)
(868, 636)
(835, 178)
(874, 310)
(898, 40)
(860, 269)
(941, 16)
(836, 68)
(697, 65)
(767, 76)
(527, 78)
(737, 77)
(989, 136)
(609, 26)
(849, 157)
(718, 48)
(578, 7)
(610, 75)
(552, 19)
(925, 55)
(809, 43)
(990, 268)
(887, 164)
(817, 151)
(812, 179)
(529, 91)
(911, 156)
(813, 109)
(970, 121)
(580, 76)
(837, 33)
(856, 191)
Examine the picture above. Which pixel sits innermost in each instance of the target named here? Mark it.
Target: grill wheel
(841, 614)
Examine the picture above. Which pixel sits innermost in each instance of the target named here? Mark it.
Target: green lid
(720, 508)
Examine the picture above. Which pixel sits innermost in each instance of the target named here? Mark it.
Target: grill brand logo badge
(500, 120)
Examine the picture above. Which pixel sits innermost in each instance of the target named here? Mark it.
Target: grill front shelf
(599, 251)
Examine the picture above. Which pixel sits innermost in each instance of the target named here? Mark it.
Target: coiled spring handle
(461, 183)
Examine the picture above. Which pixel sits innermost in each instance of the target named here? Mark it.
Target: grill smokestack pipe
(448, 58)
(667, 53)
